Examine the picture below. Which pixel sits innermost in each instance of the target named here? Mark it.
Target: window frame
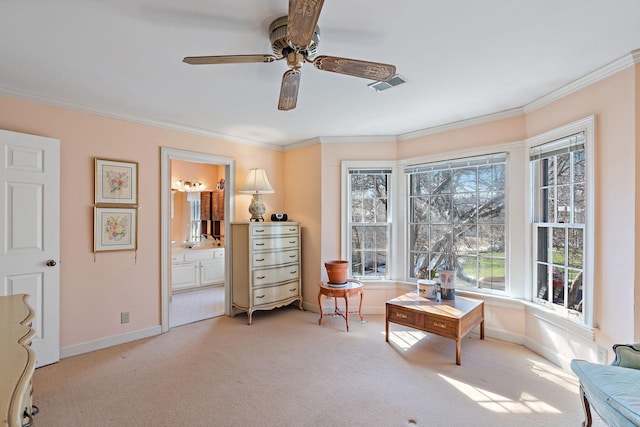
(346, 246)
(587, 126)
(452, 163)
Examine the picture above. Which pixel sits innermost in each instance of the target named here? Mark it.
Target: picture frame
(116, 182)
(115, 229)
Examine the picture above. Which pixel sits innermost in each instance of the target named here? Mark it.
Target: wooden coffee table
(450, 318)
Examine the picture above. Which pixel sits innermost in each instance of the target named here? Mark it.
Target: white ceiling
(462, 59)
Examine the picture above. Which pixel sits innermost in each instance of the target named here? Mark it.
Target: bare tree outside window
(369, 222)
(457, 217)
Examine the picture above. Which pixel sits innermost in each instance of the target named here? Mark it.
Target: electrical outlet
(602, 355)
(124, 317)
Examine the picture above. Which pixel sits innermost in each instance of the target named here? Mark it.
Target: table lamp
(256, 184)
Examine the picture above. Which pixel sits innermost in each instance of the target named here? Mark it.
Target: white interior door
(30, 232)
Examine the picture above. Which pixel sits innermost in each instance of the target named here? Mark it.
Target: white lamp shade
(257, 182)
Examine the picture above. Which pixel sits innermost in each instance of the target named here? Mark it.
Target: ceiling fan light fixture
(394, 81)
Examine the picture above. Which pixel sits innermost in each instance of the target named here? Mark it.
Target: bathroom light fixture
(256, 184)
(189, 186)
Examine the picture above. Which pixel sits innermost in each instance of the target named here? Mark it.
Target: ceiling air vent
(394, 81)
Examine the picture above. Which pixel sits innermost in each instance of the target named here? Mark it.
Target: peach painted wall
(303, 203)
(94, 289)
(492, 133)
(613, 101)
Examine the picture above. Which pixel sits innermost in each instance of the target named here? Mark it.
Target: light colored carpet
(286, 370)
(192, 306)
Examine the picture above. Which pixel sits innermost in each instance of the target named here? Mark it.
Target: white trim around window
(586, 125)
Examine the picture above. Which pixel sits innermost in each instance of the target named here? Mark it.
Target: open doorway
(169, 154)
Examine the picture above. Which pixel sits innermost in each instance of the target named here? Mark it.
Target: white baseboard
(87, 347)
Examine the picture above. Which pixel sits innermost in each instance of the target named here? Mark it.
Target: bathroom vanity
(196, 267)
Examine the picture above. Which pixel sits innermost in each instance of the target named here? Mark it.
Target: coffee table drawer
(405, 317)
(441, 326)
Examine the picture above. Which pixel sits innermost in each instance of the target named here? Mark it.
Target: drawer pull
(259, 244)
(292, 241)
(260, 230)
(292, 229)
(261, 277)
(401, 315)
(260, 296)
(293, 272)
(260, 260)
(440, 325)
(292, 256)
(293, 289)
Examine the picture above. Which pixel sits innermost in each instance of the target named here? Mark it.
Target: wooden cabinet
(17, 361)
(197, 267)
(265, 265)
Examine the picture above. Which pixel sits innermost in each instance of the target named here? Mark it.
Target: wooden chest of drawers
(265, 266)
(450, 318)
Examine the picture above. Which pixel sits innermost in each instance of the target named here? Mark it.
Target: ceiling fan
(295, 38)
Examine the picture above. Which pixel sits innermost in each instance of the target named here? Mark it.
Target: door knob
(51, 263)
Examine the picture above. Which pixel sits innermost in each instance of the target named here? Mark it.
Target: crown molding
(506, 114)
(601, 73)
(61, 103)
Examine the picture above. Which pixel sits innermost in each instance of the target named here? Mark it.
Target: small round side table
(349, 289)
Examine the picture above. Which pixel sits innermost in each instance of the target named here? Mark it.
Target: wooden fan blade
(228, 59)
(355, 67)
(289, 90)
(302, 21)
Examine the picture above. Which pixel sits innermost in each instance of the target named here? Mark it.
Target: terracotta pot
(337, 271)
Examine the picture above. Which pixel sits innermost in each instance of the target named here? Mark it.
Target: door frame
(168, 154)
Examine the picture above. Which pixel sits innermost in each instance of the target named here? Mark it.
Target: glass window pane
(439, 182)
(464, 207)
(419, 209)
(574, 301)
(368, 211)
(579, 166)
(381, 185)
(542, 253)
(548, 172)
(419, 184)
(559, 274)
(464, 180)
(564, 204)
(551, 206)
(579, 204)
(356, 211)
(576, 248)
(381, 210)
(558, 246)
(542, 281)
(440, 209)
(419, 237)
(491, 271)
(357, 268)
(563, 165)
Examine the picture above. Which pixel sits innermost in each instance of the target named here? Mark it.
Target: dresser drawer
(268, 276)
(398, 315)
(274, 258)
(275, 243)
(274, 230)
(270, 294)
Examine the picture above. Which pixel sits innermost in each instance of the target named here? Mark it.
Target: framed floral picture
(116, 182)
(115, 229)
